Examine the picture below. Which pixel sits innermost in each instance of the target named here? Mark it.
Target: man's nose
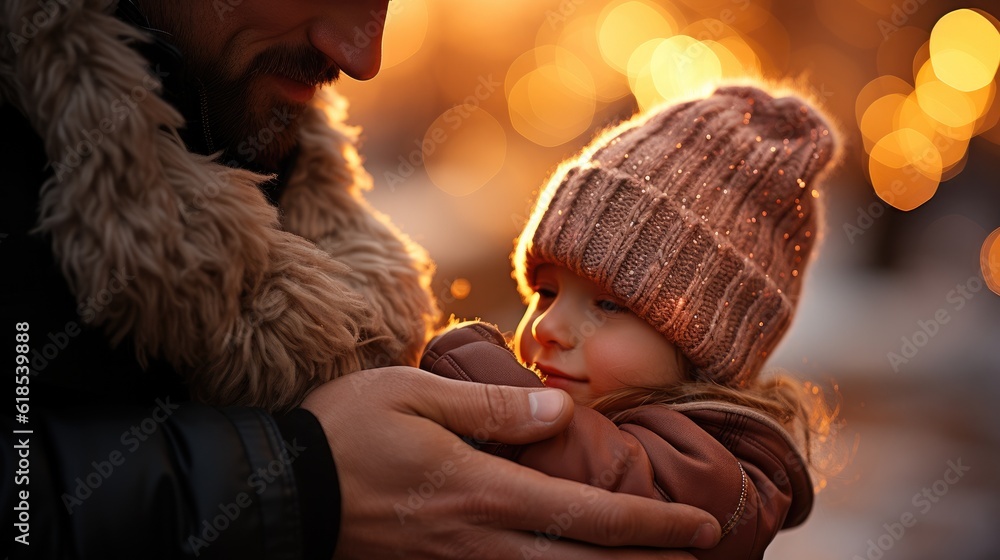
(352, 38)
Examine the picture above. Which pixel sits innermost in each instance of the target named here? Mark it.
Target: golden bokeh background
(478, 100)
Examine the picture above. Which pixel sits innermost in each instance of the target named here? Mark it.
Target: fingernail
(706, 536)
(546, 405)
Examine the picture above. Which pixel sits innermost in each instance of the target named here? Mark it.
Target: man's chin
(265, 146)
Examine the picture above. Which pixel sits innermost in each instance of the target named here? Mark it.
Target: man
(187, 256)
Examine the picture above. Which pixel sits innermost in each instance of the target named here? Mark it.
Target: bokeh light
(626, 25)
(880, 117)
(640, 74)
(879, 87)
(682, 65)
(917, 136)
(580, 39)
(460, 288)
(463, 149)
(554, 102)
(951, 142)
(905, 169)
(965, 50)
(406, 28)
(744, 53)
(989, 259)
(950, 106)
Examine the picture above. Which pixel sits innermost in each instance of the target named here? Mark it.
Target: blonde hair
(801, 407)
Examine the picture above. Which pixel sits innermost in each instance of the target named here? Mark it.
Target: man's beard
(253, 126)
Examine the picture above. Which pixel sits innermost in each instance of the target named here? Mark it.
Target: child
(660, 267)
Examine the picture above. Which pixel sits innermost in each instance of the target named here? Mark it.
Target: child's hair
(801, 407)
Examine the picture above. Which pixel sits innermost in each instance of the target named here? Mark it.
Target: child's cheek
(607, 361)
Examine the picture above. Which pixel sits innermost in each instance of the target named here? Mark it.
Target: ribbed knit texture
(700, 216)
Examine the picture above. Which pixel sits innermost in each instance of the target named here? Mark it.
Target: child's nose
(554, 328)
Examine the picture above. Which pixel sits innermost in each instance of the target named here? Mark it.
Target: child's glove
(477, 352)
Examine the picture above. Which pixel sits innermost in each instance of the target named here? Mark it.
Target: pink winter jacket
(733, 462)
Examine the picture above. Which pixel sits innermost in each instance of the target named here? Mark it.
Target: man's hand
(411, 488)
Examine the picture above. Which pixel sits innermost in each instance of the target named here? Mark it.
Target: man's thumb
(485, 412)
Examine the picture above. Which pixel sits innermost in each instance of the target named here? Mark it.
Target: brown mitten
(477, 352)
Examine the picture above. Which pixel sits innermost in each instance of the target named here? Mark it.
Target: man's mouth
(295, 90)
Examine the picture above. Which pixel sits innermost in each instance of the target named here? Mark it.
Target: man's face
(261, 59)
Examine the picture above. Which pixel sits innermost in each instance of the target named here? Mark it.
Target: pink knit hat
(700, 216)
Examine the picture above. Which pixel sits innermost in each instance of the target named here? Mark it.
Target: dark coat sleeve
(657, 452)
(174, 481)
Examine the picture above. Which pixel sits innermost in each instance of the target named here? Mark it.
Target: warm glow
(626, 25)
(879, 119)
(580, 39)
(552, 104)
(989, 259)
(405, 29)
(640, 74)
(965, 50)
(744, 53)
(730, 66)
(905, 169)
(988, 121)
(948, 105)
(951, 142)
(682, 65)
(895, 54)
(463, 149)
(461, 288)
(879, 87)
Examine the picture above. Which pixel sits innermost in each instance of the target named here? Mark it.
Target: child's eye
(545, 293)
(609, 306)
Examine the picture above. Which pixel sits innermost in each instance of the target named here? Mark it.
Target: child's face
(587, 343)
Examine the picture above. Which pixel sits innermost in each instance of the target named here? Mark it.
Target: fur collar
(243, 303)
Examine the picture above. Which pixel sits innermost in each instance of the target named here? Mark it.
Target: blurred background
(478, 100)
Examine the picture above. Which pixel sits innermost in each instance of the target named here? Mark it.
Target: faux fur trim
(323, 202)
(251, 314)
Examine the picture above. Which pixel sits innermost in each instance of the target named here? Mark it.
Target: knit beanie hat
(700, 216)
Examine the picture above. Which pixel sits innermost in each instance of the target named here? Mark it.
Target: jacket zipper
(206, 131)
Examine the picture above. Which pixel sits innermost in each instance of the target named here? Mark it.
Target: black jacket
(117, 462)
